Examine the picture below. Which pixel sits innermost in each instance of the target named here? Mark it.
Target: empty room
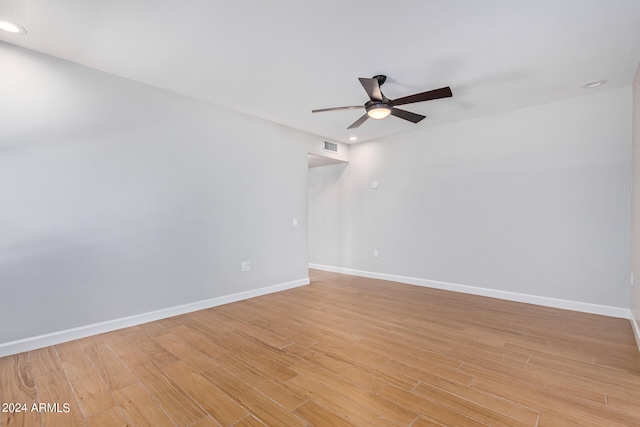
(319, 213)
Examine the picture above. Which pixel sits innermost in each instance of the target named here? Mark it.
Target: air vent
(330, 146)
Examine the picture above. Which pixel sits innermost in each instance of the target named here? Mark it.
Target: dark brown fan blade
(407, 115)
(351, 107)
(360, 121)
(372, 87)
(443, 92)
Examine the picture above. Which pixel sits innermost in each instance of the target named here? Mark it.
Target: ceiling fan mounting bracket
(381, 78)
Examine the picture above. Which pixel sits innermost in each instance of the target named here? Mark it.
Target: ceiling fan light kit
(378, 110)
(379, 106)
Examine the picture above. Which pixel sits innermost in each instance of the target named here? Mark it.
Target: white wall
(533, 201)
(635, 211)
(117, 198)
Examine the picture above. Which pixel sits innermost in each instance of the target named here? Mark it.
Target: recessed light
(593, 83)
(353, 138)
(12, 28)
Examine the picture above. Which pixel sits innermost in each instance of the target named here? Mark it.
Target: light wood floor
(342, 351)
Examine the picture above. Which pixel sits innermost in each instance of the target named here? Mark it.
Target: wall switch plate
(295, 222)
(375, 253)
(246, 266)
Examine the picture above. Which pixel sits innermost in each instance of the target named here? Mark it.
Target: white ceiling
(280, 59)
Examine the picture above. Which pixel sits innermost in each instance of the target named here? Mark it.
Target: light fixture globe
(378, 110)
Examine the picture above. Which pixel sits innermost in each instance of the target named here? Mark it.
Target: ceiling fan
(379, 106)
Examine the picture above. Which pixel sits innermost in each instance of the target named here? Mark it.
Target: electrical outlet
(632, 279)
(295, 222)
(245, 266)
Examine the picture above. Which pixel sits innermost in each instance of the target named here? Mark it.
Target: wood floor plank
(350, 350)
(113, 371)
(341, 405)
(275, 323)
(587, 370)
(318, 415)
(589, 388)
(428, 408)
(154, 352)
(44, 361)
(140, 408)
(132, 355)
(54, 389)
(412, 355)
(485, 407)
(175, 402)
(539, 377)
(256, 402)
(183, 351)
(249, 421)
(620, 360)
(18, 391)
(153, 328)
(397, 369)
(168, 323)
(371, 401)
(220, 406)
(343, 351)
(69, 351)
(254, 332)
(276, 390)
(208, 422)
(213, 322)
(625, 406)
(271, 361)
(562, 407)
(92, 340)
(371, 379)
(109, 418)
(92, 393)
(198, 340)
(423, 421)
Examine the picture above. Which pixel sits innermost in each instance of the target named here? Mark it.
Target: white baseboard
(32, 343)
(585, 307)
(636, 329)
